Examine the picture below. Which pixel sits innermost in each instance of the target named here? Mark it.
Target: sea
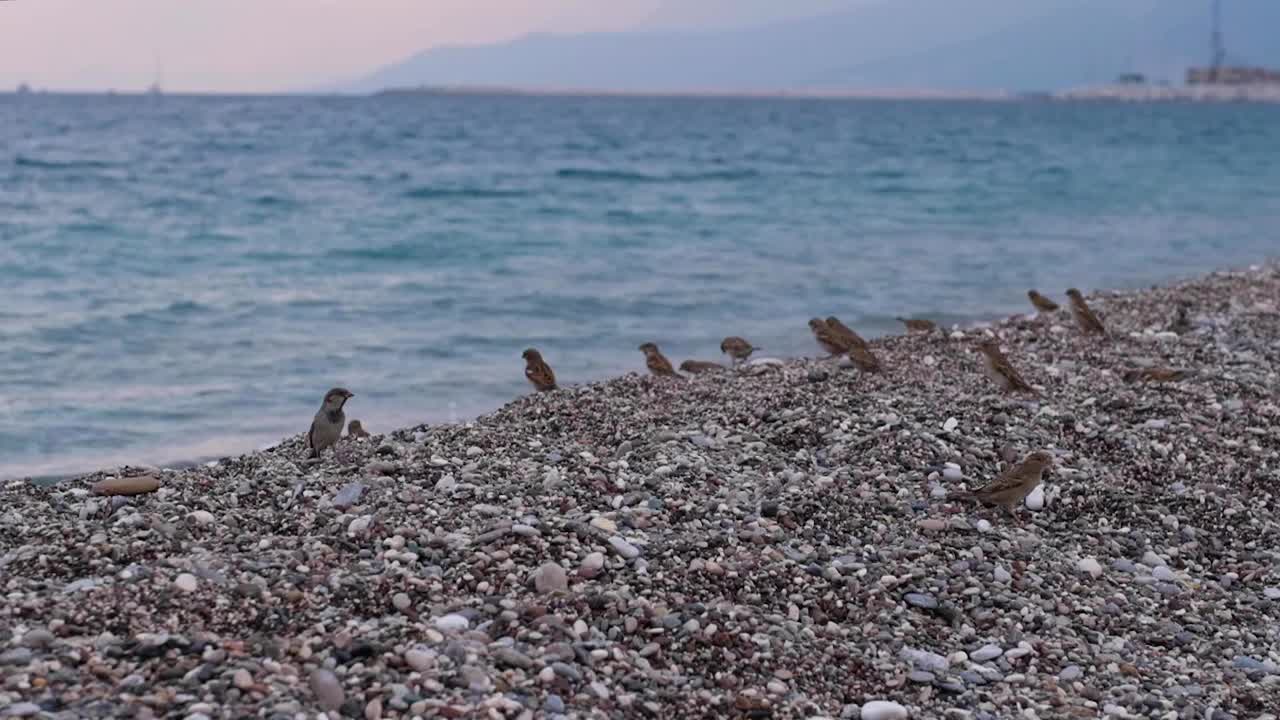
(185, 276)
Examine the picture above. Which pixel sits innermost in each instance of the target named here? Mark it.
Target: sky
(263, 45)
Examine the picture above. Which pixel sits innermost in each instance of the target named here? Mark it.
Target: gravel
(770, 542)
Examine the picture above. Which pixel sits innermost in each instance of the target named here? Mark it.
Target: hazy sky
(262, 45)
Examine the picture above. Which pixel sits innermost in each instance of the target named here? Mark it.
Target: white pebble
(1091, 566)
(1163, 572)
(984, 526)
(186, 582)
(1001, 575)
(1035, 501)
(473, 451)
(452, 622)
(883, 710)
(950, 424)
(359, 525)
(952, 472)
(201, 517)
(446, 483)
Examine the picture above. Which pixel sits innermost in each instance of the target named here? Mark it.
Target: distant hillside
(938, 44)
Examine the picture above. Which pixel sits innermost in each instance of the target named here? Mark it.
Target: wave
(626, 176)
(430, 193)
(30, 162)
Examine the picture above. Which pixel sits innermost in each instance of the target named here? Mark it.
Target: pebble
(591, 565)
(549, 578)
(373, 709)
(1271, 593)
(452, 622)
(201, 517)
(1163, 573)
(21, 710)
(1090, 566)
(986, 652)
(400, 601)
(327, 689)
(16, 656)
(952, 472)
(186, 582)
(624, 548)
(1001, 575)
(38, 638)
(883, 710)
(348, 496)
(242, 679)
(921, 600)
(419, 659)
(1035, 500)
(1070, 673)
(359, 525)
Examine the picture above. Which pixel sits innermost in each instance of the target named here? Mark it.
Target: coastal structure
(1216, 82)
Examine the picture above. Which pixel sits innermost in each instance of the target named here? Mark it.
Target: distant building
(1232, 75)
(1132, 79)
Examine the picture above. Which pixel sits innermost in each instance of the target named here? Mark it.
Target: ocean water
(186, 276)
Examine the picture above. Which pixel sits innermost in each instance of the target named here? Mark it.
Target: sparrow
(844, 333)
(327, 426)
(538, 371)
(999, 370)
(356, 430)
(1182, 319)
(864, 359)
(1154, 374)
(1013, 485)
(1088, 322)
(658, 363)
(918, 326)
(827, 338)
(1042, 303)
(737, 348)
(697, 367)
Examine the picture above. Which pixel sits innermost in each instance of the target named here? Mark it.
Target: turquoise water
(187, 276)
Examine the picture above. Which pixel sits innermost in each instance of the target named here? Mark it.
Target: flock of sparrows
(1008, 490)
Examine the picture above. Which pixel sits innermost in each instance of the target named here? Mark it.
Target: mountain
(934, 44)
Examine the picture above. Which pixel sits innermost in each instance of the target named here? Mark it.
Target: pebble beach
(774, 541)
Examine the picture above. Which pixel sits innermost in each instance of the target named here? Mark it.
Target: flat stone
(16, 656)
(1090, 566)
(19, 710)
(420, 660)
(135, 485)
(186, 582)
(1070, 673)
(883, 710)
(921, 676)
(986, 652)
(624, 548)
(38, 638)
(327, 689)
(921, 600)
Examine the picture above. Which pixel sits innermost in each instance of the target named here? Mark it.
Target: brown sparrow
(658, 363)
(918, 326)
(1013, 485)
(356, 430)
(1154, 374)
(327, 426)
(999, 370)
(538, 371)
(827, 338)
(697, 367)
(1088, 322)
(845, 334)
(1042, 303)
(737, 348)
(864, 359)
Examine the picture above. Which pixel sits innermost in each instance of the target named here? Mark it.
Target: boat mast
(1215, 41)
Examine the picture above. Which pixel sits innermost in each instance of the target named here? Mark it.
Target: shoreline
(776, 541)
